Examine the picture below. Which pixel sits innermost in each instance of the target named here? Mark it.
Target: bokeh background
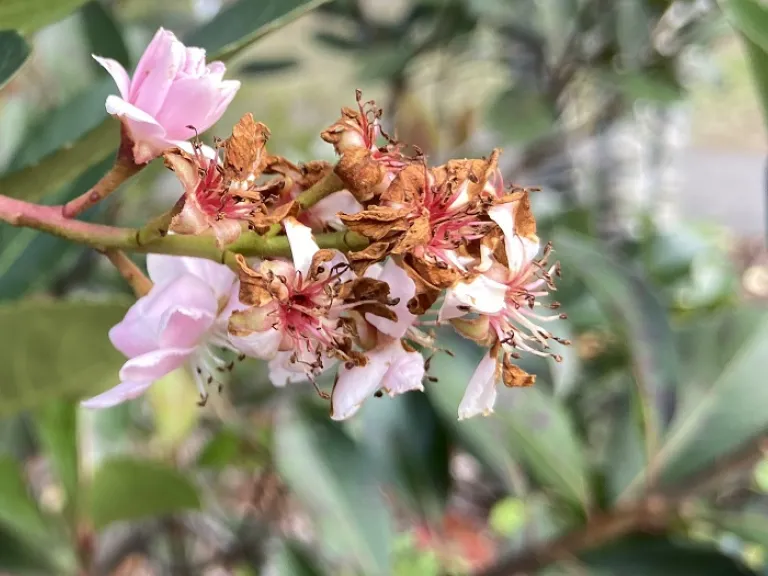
(639, 454)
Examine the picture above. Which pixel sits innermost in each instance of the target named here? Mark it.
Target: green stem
(51, 220)
(325, 187)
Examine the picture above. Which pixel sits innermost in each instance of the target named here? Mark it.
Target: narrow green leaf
(58, 169)
(55, 349)
(14, 51)
(30, 15)
(642, 317)
(334, 479)
(18, 511)
(239, 25)
(749, 526)
(723, 390)
(294, 558)
(57, 429)
(531, 426)
(662, 556)
(105, 38)
(125, 489)
(263, 67)
(626, 455)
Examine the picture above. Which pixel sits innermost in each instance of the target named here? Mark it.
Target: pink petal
(118, 73)
(154, 365)
(189, 102)
(218, 277)
(303, 246)
(147, 135)
(480, 395)
(226, 93)
(215, 70)
(227, 231)
(482, 295)
(194, 62)
(400, 286)
(156, 73)
(191, 220)
(117, 395)
(185, 327)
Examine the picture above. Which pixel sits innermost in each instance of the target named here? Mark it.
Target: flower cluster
(447, 245)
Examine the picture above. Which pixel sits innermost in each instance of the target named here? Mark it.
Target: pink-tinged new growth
(181, 322)
(172, 93)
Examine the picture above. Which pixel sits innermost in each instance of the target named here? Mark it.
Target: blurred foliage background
(642, 453)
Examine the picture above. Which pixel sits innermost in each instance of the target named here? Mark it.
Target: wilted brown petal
(377, 222)
(360, 173)
(515, 377)
(245, 152)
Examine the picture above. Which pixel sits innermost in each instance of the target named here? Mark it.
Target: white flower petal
(402, 287)
(303, 246)
(480, 395)
(482, 295)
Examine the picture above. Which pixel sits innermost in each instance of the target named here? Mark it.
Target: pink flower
(503, 305)
(182, 321)
(171, 89)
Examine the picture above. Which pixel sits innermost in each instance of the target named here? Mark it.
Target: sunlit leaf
(336, 481)
(30, 15)
(14, 51)
(56, 350)
(242, 23)
(126, 489)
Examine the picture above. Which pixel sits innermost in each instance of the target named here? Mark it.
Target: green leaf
(661, 556)
(126, 489)
(60, 168)
(18, 511)
(507, 516)
(29, 259)
(642, 317)
(521, 115)
(532, 427)
(30, 15)
(334, 479)
(14, 51)
(626, 455)
(244, 22)
(748, 526)
(57, 429)
(723, 390)
(105, 38)
(20, 558)
(409, 443)
(263, 67)
(294, 558)
(56, 350)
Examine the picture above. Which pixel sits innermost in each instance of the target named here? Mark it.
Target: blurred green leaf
(521, 115)
(14, 51)
(57, 429)
(529, 425)
(749, 526)
(410, 446)
(750, 17)
(295, 559)
(60, 168)
(626, 454)
(56, 350)
(244, 22)
(760, 475)
(174, 404)
(29, 259)
(654, 85)
(661, 556)
(507, 516)
(222, 450)
(334, 479)
(337, 42)
(126, 489)
(643, 319)
(19, 558)
(263, 67)
(726, 393)
(105, 37)
(30, 15)
(18, 511)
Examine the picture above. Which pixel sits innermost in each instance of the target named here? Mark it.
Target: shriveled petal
(480, 395)
(185, 170)
(117, 395)
(218, 277)
(156, 73)
(402, 287)
(118, 73)
(303, 246)
(190, 220)
(482, 295)
(519, 250)
(154, 365)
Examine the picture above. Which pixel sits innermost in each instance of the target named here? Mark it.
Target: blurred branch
(654, 512)
(132, 274)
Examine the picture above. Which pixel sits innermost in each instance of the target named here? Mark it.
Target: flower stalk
(131, 273)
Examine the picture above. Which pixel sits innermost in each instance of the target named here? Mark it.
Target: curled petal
(519, 250)
(481, 295)
(118, 73)
(480, 395)
(117, 395)
(303, 246)
(154, 365)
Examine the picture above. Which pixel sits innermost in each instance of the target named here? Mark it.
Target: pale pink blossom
(182, 321)
(171, 90)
